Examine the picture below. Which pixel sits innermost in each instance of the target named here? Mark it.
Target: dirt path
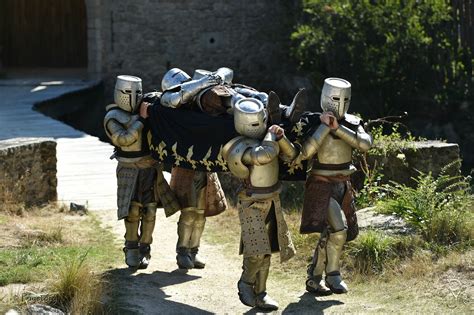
(164, 289)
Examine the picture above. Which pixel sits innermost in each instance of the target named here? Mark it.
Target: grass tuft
(75, 288)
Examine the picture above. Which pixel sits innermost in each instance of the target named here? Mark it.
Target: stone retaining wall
(424, 156)
(28, 171)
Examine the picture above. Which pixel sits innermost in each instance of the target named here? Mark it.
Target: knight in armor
(199, 193)
(328, 208)
(215, 94)
(138, 175)
(253, 158)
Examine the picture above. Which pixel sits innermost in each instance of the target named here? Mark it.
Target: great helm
(336, 96)
(128, 92)
(174, 78)
(250, 119)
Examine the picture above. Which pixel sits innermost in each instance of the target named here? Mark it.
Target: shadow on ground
(309, 304)
(132, 293)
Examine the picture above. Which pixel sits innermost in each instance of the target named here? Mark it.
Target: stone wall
(426, 156)
(146, 38)
(28, 171)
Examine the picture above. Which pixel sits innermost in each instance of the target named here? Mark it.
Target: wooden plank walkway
(85, 173)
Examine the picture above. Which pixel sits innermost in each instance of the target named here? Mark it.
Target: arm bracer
(288, 151)
(359, 140)
(123, 137)
(312, 144)
(264, 153)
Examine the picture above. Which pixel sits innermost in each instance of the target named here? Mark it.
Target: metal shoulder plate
(118, 115)
(352, 119)
(233, 152)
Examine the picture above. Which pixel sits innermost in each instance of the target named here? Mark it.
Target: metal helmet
(250, 118)
(336, 96)
(128, 92)
(174, 78)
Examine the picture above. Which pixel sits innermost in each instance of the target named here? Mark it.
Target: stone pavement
(85, 173)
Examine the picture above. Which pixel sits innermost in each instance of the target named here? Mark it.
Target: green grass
(35, 260)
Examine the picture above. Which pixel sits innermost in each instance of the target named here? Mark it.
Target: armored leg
(314, 281)
(185, 230)
(199, 222)
(263, 300)
(146, 235)
(334, 250)
(246, 285)
(132, 222)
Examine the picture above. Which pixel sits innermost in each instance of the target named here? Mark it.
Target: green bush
(373, 251)
(397, 54)
(440, 208)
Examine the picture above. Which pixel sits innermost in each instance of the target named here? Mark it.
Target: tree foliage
(399, 54)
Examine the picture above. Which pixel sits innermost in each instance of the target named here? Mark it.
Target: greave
(148, 223)
(185, 227)
(262, 275)
(185, 230)
(132, 222)
(246, 285)
(318, 264)
(314, 280)
(198, 228)
(334, 250)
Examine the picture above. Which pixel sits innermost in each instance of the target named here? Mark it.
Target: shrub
(397, 54)
(440, 208)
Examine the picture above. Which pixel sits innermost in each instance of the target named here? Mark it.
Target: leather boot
(334, 250)
(273, 108)
(297, 106)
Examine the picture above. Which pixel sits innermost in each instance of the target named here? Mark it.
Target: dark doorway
(43, 33)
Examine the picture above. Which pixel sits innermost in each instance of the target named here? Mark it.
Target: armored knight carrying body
(253, 157)
(199, 193)
(215, 94)
(138, 175)
(328, 208)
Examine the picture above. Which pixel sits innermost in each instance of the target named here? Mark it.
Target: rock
(41, 309)
(369, 219)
